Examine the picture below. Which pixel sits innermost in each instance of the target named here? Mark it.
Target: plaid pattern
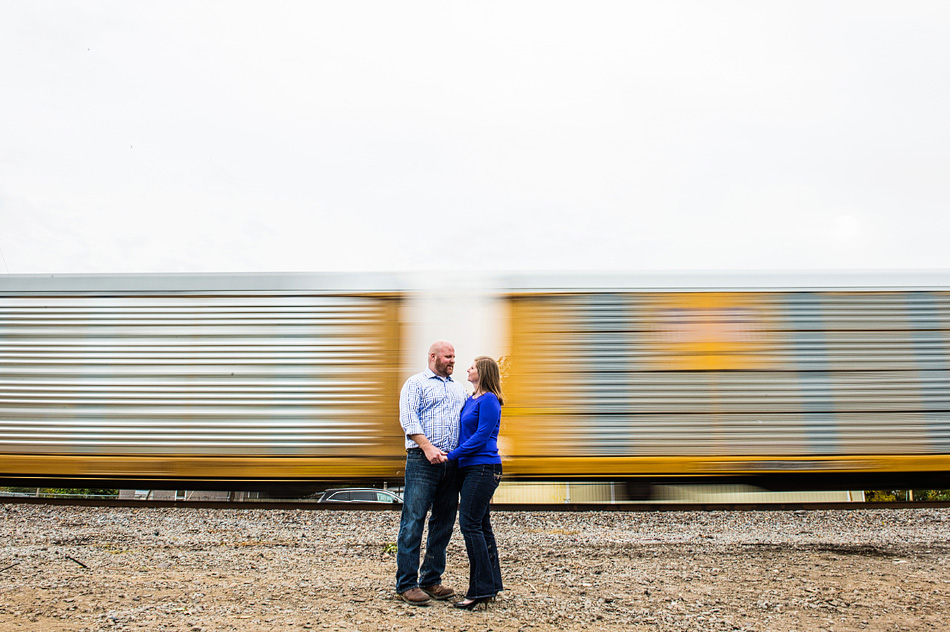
(431, 405)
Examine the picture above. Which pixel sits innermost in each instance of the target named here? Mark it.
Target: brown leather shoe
(415, 596)
(438, 591)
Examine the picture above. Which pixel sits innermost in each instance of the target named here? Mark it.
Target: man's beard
(442, 368)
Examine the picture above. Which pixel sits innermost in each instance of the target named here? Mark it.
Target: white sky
(312, 136)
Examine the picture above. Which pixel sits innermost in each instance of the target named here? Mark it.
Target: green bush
(891, 495)
(61, 491)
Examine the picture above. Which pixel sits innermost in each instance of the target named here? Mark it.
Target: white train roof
(516, 282)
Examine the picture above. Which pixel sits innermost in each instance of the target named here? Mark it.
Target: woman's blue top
(478, 436)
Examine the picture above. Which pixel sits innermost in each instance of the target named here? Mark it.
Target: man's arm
(432, 453)
(409, 401)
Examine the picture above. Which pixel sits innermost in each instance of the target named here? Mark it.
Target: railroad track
(523, 507)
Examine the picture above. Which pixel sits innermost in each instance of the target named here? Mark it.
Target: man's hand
(434, 454)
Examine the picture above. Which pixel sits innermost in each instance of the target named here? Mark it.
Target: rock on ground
(85, 569)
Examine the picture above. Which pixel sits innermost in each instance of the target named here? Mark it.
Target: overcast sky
(312, 136)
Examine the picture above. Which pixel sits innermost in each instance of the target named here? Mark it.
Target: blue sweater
(478, 436)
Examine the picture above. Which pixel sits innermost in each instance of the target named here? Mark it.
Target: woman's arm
(489, 416)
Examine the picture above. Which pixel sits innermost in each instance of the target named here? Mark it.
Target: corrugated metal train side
(789, 389)
(219, 381)
(267, 381)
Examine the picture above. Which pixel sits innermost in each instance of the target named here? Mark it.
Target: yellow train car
(830, 381)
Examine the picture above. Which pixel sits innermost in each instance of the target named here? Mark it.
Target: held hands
(434, 454)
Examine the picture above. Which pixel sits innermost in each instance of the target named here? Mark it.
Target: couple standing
(452, 464)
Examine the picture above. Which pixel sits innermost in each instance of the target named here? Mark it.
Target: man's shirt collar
(429, 373)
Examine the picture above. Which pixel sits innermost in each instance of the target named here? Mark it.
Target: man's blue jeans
(428, 487)
(478, 486)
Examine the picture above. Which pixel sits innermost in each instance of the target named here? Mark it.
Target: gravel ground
(207, 569)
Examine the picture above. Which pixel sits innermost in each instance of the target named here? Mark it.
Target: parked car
(360, 495)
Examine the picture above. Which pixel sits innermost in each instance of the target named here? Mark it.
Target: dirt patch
(197, 570)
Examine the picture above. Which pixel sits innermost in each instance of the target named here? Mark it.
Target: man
(429, 408)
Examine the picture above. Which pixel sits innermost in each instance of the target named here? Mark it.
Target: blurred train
(276, 381)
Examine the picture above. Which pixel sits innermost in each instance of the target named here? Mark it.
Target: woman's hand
(434, 454)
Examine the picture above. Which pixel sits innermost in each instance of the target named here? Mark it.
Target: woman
(480, 473)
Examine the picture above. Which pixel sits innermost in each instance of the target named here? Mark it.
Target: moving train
(271, 381)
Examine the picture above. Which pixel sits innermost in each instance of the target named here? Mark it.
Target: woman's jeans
(432, 487)
(478, 485)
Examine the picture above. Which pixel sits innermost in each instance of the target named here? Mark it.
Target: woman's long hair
(489, 377)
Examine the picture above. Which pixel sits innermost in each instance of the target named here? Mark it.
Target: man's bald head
(442, 358)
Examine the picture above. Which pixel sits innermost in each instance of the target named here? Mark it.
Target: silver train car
(821, 381)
